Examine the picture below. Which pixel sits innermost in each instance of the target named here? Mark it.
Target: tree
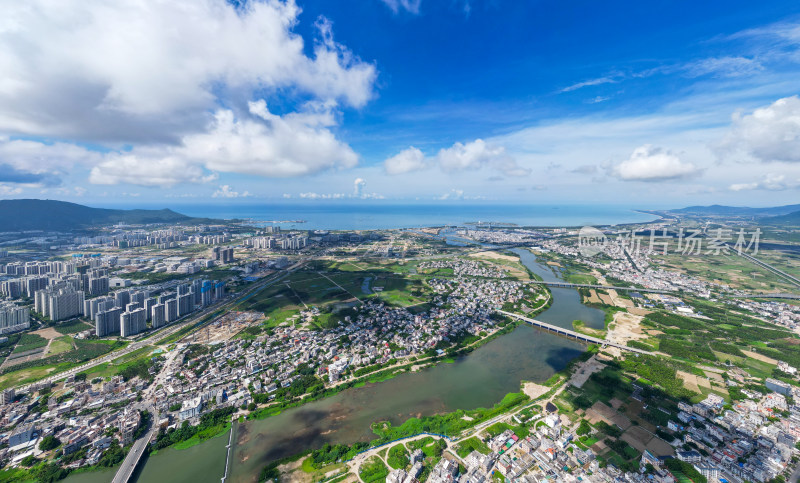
(583, 428)
(49, 442)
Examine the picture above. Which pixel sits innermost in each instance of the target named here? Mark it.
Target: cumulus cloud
(650, 163)
(770, 133)
(264, 144)
(129, 71)
(406, 161)
(459, 157)
(270, 145)
(40, 164)
(411, 6)
(225, 191)
(769, 182)
(358, 186)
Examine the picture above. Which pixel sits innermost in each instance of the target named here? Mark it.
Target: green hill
(791, 219)
(719, 210)
(51, 215)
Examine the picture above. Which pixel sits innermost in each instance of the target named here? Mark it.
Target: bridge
(574, 335)
(791, 296)
(125, 472)
(601, 287)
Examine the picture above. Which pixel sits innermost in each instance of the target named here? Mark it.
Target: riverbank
(386, 373)
(479, 376)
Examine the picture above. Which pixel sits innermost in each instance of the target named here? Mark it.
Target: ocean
(368, 215)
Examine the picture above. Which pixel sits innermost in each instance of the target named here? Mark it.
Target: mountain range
(51, 215)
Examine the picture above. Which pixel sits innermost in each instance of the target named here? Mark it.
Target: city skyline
(400, 100)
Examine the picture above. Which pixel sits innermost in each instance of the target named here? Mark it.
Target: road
(602, 287)
(126, 470)
(573, 334)
(169, 330)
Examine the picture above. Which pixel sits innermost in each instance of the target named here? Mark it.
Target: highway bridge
(574, 335)
(768, 296)
(125, 472)
(601, 287)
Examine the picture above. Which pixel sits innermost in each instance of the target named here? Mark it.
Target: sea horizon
(359, 215)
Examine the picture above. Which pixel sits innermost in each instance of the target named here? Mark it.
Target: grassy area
(373, 470)
(471, 444)
(397, 457)
(29, 342)
(204, 435)
(27, 375)
(62, 344)
(731, 269)
(72, 327)
(109, 369)
(32, 371)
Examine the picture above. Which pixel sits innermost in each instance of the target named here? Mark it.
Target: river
(479, 379)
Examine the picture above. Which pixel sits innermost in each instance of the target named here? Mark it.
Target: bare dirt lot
(760, 357)
(48, 333)
(533, 390)
(593, 298)
(585, 371)
(495, 256)
(224, 327)
(601, 412)
(626, 327)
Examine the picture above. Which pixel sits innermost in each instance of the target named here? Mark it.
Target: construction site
(224, 328)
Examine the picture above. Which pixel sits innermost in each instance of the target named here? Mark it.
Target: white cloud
(649, 163)
(724, 67)
(225, 191)
(293, 145)
(358, 187)
(770, 133)
(453, 194)
(8, 190)
(322, 196)
(769, 182)
(609, 79)
(411, 6)
(459, 157)
(147, 167)
(40, 164)
(128, 71)
(477, 154)
(265, 145)
(406, 161)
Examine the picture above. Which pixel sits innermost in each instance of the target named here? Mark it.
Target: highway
(573, 334)
(792, 279)
(790, 296)
(169, 330)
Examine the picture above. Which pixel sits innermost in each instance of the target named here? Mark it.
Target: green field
(72, 327)
(29, 342)
(333, 288)
(62, 344)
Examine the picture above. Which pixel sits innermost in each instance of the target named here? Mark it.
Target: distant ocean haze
(385, 215)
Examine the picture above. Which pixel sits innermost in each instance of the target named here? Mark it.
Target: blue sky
(648, 103)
